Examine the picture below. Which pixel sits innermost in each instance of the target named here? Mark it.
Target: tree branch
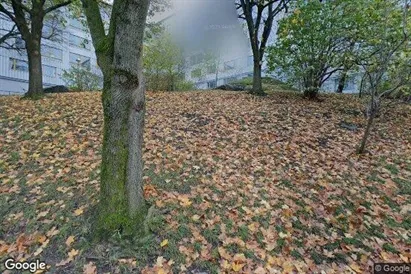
(21, 5)
(53, 8)
(6, 12)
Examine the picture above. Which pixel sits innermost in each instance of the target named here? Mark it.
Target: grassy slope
(239, 183)
(269, 84)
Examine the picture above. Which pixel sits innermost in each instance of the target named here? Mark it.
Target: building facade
(63, 46)
(214, 26)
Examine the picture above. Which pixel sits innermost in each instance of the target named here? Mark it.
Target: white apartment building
(201, 26)
(70, 45)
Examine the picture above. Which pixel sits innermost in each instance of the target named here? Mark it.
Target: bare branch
(6, 12)
(53, 8)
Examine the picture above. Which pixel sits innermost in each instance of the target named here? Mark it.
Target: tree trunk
(311, 87)
(373, 109)
(257, 82)
(33, 44)
(311, 93)
(341, 82)
(35, 73)
(122, 203)
(361, 149)
(361, 86)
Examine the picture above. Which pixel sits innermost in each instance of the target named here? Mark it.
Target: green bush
(185, 85)
(80, 78)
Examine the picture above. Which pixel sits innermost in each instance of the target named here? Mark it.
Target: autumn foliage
(240, 184)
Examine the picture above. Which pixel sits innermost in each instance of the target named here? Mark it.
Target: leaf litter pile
(240, 185)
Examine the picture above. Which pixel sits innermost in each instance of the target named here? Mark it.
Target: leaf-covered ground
(240, 184)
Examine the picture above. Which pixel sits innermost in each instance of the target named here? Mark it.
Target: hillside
(239, 183)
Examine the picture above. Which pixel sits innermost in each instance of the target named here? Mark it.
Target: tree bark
(370, 121)
(257, 82)
(35, 71)
(122, 200)
(341, 81)
(373, 110)
(29, 22)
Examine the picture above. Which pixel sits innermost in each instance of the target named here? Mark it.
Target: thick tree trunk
(122, 202)
(33, 44)
(257, 82)
(35, 72)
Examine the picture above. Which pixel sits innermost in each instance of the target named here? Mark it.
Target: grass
(269, 84)
(226, 172)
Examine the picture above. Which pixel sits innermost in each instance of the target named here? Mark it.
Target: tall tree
(119, 55)
(29, 18)
(259, 16)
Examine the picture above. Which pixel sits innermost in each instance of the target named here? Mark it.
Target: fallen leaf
(69, 241)
(90, 268)
(164, 243)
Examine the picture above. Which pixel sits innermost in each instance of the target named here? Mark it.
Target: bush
(185, 85)
(80, 78)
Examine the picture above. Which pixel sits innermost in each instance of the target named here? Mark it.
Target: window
(52, 52)
(20, 65)
(52, 33)
(250, 60)
(196, 73)
(74, 22)
(211, 84)
(229, 80)
(49, 71)
(196, 59)
(79, 42)
(77, 59)
(19, 43)
(229, 65)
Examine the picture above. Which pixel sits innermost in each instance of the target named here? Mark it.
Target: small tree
(80, 78)
(163, 63)
(385, 59)
(259, 16)
(314, 42)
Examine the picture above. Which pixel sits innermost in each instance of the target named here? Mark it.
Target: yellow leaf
(237, 266)
(53, 231)
(69, 240)
(356, 268)
(42, 214)
(161, 271)
(78, 211)
(185, 202)
(73, 253)
(283, 235)
(195, 217)
(164, 243)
